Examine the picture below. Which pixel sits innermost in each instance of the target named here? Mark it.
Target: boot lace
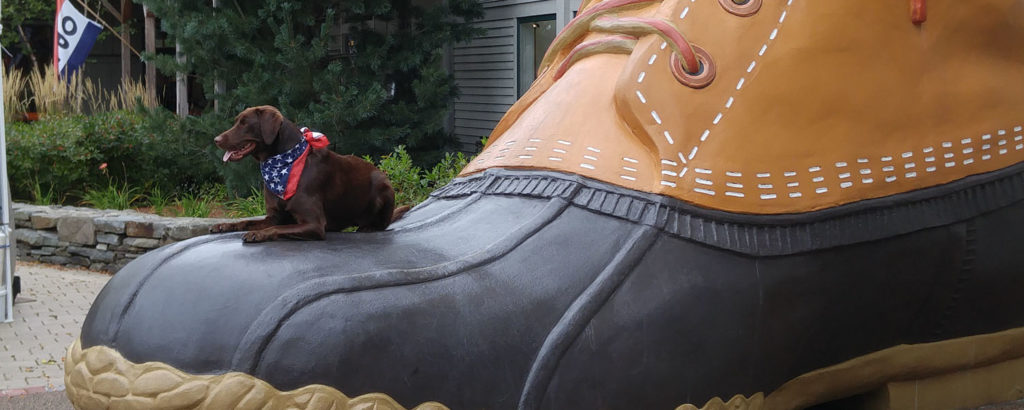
(690, 64)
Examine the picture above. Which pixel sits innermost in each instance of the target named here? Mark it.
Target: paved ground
(38, 401)
(47, 318)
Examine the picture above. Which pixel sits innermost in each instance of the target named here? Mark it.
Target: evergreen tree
(15, 13)
(391, 89)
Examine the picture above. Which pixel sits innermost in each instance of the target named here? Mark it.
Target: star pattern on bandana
(281, 172)
(277, 169)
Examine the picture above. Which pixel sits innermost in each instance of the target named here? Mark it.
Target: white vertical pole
(181, 84)
(218, 84)
(5, 212)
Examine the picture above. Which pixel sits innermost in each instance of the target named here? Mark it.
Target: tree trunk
(126, 51)
(28, 46)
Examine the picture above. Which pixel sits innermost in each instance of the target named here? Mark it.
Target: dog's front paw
(257, 236)
(226, 227)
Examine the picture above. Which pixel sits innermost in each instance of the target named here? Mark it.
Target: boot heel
(997, 383)
(949, 374)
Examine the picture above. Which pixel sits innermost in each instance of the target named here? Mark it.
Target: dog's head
(254, 133)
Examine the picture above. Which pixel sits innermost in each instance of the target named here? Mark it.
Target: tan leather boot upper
(813, 103)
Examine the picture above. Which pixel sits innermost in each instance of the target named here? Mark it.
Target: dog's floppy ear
(270, 123)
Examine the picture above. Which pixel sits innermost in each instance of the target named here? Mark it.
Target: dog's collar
(281, 172)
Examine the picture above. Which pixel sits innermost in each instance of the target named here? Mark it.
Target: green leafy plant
(194, 205)
(54, 160)
(252, 205)
(63, 153)
(444, 171)
(113, 196)
(42, 196)
(159, 200)
(404, 175)
(214, 191)
(411, 183)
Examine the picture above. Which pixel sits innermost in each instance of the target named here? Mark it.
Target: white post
(181, 85)
(218, 84)
(7, 288)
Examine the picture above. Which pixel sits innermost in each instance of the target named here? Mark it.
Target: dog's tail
(399, 212)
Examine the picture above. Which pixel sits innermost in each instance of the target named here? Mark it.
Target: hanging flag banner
(73, 37)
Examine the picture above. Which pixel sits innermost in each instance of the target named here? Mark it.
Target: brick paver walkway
(48, 316)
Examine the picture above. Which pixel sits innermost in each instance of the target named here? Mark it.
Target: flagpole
(5, 210)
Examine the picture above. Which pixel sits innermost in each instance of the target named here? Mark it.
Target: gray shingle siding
(485, 67)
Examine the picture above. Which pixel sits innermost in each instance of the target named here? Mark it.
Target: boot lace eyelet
(741, 8)
(705, 73)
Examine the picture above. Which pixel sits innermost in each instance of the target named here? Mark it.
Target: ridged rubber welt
(762, 235)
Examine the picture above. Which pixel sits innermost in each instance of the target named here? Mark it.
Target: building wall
(485, 68)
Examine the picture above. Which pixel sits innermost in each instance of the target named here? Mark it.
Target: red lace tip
(918, 11)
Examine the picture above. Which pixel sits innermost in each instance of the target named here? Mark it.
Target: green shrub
(41, 196)
(194, 205)
(195, 136)
(411, 183)
(114, 196)
(158, 199)
(404, 175)
(446, 170)
(44, 156)
(252, 205)
(181, 155)
(97, 158)
(67, 155)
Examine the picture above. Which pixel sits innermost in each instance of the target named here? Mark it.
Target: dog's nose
(218, 139)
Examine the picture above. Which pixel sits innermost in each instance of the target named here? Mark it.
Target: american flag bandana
(281, 172)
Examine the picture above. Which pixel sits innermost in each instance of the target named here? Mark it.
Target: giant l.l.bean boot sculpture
(772, 204)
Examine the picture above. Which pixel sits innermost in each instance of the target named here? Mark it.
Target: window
(535, 36)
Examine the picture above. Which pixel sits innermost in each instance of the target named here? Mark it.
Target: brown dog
(332, 191)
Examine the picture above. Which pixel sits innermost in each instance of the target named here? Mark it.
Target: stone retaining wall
(104, 240)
